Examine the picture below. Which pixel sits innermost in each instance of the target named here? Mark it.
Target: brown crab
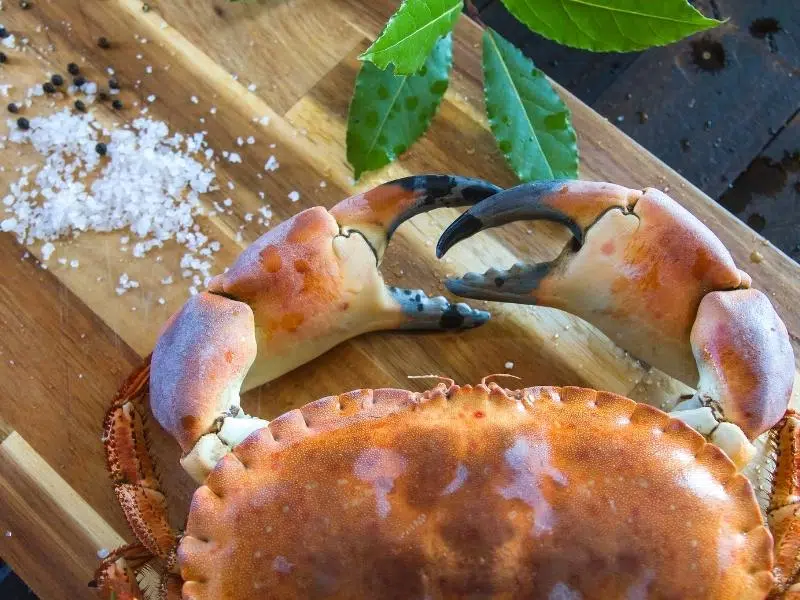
(470, 491)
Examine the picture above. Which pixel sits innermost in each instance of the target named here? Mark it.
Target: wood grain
(68, 339)
(51, 535)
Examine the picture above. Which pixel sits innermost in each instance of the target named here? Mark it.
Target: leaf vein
(634, 13)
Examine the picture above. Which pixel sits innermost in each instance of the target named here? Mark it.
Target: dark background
(721, 108)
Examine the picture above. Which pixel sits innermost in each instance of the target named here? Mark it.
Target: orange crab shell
(745, 355)
(475, 490)
(195, 379)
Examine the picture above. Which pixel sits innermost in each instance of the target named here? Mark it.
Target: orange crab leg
(783, 513)
(115, 578)
(131, 468)
(136, 488)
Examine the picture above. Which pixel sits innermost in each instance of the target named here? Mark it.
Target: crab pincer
(653, 278)
(305, 286)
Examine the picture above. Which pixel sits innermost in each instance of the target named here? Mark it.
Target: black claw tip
(459, 316)
(438, 191)
(463, 227)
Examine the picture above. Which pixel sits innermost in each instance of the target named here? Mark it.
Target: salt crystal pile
(149, 183)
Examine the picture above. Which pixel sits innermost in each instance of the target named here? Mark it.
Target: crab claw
(653, 278)
(305, 286)
(377, 213)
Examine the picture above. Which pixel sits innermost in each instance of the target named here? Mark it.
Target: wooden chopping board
(68, 340)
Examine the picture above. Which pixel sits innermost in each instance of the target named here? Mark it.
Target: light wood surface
(68, 339)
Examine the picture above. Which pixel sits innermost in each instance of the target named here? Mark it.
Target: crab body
(469, 491)
(480, 492)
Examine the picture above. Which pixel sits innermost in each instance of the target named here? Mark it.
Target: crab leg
(783, 512)
(654, 279)
(136, 488)
(116, 575)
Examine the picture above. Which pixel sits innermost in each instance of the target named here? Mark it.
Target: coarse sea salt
(272, 164)
(125, 283)
(148, 184)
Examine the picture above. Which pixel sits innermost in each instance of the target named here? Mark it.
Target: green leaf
(411, 33)
(389, 112)
(530, 122)
(611, 25)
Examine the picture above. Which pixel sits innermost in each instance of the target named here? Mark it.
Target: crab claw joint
(302, 288)
(656, 280)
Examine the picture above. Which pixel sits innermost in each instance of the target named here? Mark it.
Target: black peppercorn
(113, 84)
(73, 69)
(79, 105)
(3, 33)
(3, 57)
(103, 96)
(49, 88)
(79, 81)
(13, 108)
(23, 123)
(104, 43)
(101, 149)
(117, 105)
(57, 80)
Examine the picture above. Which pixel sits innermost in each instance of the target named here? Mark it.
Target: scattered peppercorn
(73, 69)
(103, 96)
(57, 80)
(113, 84)
(24, 4)
(101, 149)
(49, 88)
(13, 108)
(79, 81)
(3, 33)
(117, 105)
(3, 57)
(79, 105)
(104, 43)
(23, 124)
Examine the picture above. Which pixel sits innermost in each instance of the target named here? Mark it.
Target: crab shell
(475, 491)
